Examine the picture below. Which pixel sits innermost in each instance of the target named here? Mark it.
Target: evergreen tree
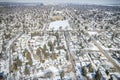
(107, 72)
(38, 52)
(62, 74)
(18, 61)
(50, 44)
(84, 71)
(28, 56)
(91, 67)
(26, 71)
(111, 78)
(98, 75)
(15, 66)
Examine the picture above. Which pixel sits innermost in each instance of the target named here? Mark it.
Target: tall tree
(62, 74)
(26, 71)
(84, 71)
(98, 75)
(91, 69)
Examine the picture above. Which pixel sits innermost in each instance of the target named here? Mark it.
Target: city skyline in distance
(96, 2)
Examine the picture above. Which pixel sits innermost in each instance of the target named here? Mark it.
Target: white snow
(59, 25)
(92, 33)
(53, 69)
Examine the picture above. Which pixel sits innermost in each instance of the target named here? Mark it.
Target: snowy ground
(59, 25)
(32, 44)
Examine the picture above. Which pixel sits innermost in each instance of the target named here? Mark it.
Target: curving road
(8, 53)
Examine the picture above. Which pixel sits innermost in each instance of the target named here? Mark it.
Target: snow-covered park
(59, 25)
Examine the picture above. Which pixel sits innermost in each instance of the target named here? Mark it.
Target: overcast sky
(103, 2)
